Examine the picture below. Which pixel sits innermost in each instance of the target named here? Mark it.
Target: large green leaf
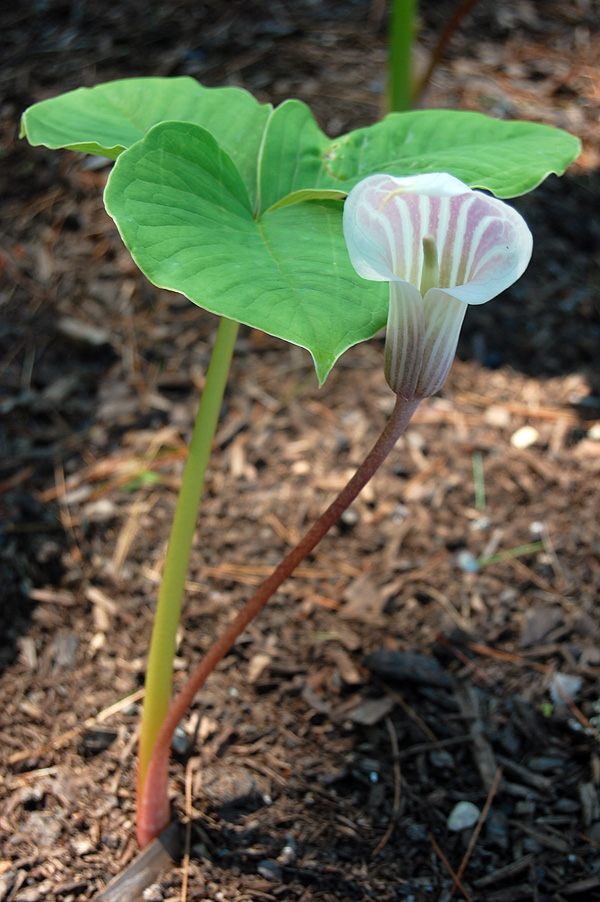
(238, 206)
(506, 158)
(184, 213)
(110, 117)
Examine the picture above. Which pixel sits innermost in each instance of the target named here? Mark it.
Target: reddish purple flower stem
(153, 806)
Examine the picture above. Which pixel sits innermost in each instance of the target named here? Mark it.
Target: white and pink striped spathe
(483, 246)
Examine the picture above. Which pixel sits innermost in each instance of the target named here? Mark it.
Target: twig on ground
(449, 868)
(395, 695)
(397, 789)
(477, 830)
(64, 738)
(185, 867)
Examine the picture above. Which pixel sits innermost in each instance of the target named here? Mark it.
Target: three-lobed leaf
(237, 205)
(283, 151)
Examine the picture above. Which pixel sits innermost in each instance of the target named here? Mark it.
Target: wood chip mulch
(416, 715)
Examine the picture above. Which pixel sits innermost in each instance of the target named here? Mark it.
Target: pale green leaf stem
(168, 610)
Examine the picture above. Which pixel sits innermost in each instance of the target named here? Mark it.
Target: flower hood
(441, 245)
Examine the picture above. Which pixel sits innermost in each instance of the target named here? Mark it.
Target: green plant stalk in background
(159, 673)
(511, 553)
(402, 30)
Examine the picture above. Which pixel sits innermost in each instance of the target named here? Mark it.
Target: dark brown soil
(329, 754)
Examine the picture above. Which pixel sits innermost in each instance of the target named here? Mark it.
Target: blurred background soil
(421, 659)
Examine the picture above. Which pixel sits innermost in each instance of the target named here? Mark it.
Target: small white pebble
(83, 847)
(76, 496)
(524, 437)
(180, 741)
(100, 511)
(497, 416)
(594, 432)
(463, 816)
(441, 759)
(564, 687)
(415, 440)
(467, 562)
